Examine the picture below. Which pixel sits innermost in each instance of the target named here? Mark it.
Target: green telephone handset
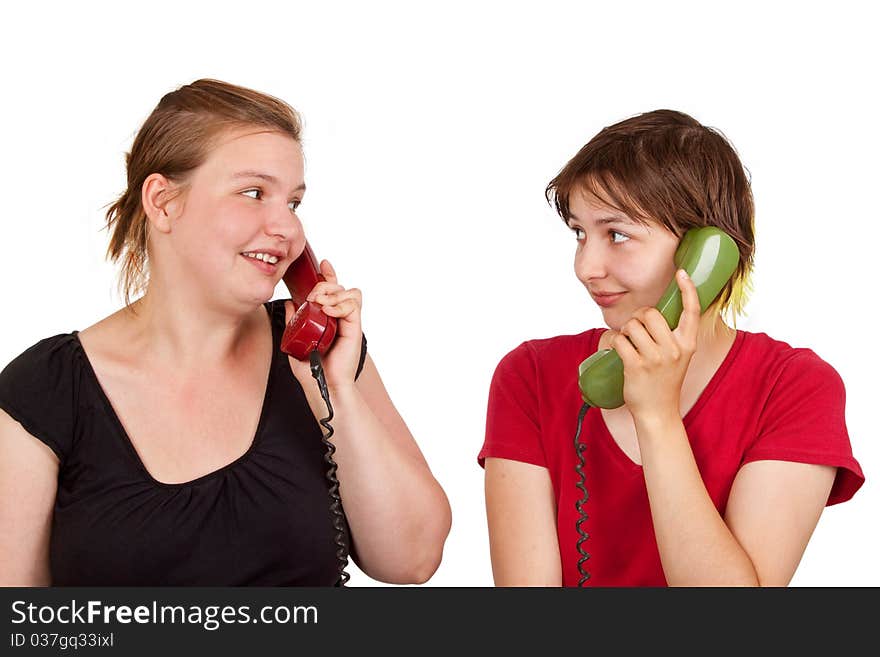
(709, 256)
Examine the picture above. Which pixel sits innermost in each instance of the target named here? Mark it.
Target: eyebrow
(263, 176)
(608, 219)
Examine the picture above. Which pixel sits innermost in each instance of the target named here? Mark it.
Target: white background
(430, 135)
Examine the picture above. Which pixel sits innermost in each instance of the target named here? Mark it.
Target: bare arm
(398, 513)
(774, 507)
(771, 513)
(522, 524)
(28, 482)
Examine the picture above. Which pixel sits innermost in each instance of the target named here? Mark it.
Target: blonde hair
(174, 140)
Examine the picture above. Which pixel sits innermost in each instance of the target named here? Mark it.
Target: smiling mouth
(266, 266)
(606, 300)
(264, 257)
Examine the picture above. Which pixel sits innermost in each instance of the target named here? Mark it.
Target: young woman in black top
(172, 443)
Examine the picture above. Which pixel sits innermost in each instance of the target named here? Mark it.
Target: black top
(262, 520)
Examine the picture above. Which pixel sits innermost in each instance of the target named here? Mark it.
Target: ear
(162, 201)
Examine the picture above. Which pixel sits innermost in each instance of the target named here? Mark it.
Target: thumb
(328, 272)
(690, 316)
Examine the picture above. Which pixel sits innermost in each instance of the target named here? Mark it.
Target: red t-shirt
(767, 401)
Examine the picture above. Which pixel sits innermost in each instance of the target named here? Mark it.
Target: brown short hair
(667, 167)
(174, 140)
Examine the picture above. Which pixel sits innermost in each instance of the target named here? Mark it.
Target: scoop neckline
(272, 311)
(702, 400)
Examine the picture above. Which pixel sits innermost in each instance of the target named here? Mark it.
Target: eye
(615, 235)
(293, 205)
(579, 234)
(255, 193)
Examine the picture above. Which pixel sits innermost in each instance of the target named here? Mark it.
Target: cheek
(645, 276)
(226, 224)
(656, 280)
(631, 269)
(211, 234)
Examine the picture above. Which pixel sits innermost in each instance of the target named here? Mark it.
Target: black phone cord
(335, 500)
(579, 504)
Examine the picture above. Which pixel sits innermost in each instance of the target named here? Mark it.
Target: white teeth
(265, 257)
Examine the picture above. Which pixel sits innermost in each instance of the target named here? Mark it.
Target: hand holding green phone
(710, 257)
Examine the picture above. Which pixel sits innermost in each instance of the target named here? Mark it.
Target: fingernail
(682, 274)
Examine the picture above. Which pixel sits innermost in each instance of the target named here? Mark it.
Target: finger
(328, 272)
(639, 313)
(345, 296)
(606, 338)
(689, 323)
(352, 293)
(641, 339)
(347, 309)
(338, 296)
(659, 331)
(625, 350)
(322, 288)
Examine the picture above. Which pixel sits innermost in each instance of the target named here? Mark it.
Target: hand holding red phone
(343, 305)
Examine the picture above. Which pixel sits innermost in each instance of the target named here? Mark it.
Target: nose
(283, 223)
(590, 261)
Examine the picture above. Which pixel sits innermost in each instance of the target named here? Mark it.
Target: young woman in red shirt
(728, 445)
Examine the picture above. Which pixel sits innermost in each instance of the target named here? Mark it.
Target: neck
(175, 326)
(713, 334)
(714, 341)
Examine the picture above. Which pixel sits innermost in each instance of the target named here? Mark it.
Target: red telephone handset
(309, 329)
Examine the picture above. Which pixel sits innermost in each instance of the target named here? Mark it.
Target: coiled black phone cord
(335, 500)
(579, 504)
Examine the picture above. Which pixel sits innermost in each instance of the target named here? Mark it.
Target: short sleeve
(513, 429)
(804, 421)
(38, 389)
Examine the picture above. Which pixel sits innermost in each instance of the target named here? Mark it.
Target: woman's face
(243, 200)
(624, 265)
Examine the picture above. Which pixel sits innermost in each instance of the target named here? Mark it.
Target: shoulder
(536, 377)
(49, 355)
(547, 359)
(40, 388)
(795, 368)
(549, 351)
(801, 414)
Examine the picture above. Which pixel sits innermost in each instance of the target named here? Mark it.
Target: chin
(258, 297)
(263, 299)
(616, 316)
(614, 319)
